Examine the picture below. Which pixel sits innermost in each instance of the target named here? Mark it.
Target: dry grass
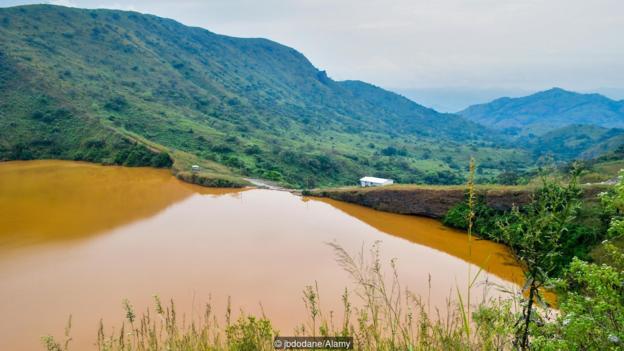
(379, 314)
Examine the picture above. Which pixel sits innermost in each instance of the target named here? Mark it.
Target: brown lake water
(78, 238)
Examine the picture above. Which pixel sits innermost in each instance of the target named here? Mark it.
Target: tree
(534, 235)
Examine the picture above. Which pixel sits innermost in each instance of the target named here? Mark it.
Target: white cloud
(510, 44)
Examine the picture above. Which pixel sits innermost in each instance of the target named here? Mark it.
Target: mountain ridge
(547, 110)
(253, 106)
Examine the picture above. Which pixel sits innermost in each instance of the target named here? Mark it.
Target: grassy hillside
(546, 111)
(37, 122)
(607, 167)
(91, 84)
(576, 141)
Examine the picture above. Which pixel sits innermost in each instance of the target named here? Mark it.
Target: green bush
(138, 155)
(485, 219)
(591, 309)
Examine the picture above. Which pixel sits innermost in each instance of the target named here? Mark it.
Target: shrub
(591, 309)
(485, 219)
(117, 104)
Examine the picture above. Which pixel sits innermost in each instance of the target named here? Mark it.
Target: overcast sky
(427, 49)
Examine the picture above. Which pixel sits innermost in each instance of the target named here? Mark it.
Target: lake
(78, 238)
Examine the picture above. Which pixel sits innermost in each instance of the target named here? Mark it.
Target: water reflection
(492, 257)
(156, 235)
(51, 200)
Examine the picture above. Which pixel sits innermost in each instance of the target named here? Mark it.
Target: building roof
(374, 180)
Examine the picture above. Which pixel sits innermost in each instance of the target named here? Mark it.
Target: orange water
(77, 238)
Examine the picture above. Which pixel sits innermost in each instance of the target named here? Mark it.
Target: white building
(372, 181)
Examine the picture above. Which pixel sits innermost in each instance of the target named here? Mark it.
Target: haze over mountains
(547, 110)
(113, 86)
(556, 121)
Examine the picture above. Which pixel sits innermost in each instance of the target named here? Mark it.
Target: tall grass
(378, 313)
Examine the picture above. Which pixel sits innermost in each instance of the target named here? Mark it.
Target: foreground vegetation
(381, 315)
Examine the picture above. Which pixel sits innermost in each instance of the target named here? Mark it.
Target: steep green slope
(548, 110)
(253, 105)
(37, 122)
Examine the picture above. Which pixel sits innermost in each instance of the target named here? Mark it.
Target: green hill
(606, 167)
(120, 87)
(546, 111)
(576, 142)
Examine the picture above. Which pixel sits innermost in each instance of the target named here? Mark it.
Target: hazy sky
(426, 46)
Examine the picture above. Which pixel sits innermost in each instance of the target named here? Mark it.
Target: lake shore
(434, 201)
(78, 238)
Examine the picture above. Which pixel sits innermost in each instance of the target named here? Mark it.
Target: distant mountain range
(546, 111)
(127, 88)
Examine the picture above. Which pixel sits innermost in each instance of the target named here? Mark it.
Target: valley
(165, 187)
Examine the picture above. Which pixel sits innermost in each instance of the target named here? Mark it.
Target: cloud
(511, 44)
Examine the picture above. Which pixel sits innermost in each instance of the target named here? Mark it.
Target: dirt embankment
(431, 202)
(211, 180)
